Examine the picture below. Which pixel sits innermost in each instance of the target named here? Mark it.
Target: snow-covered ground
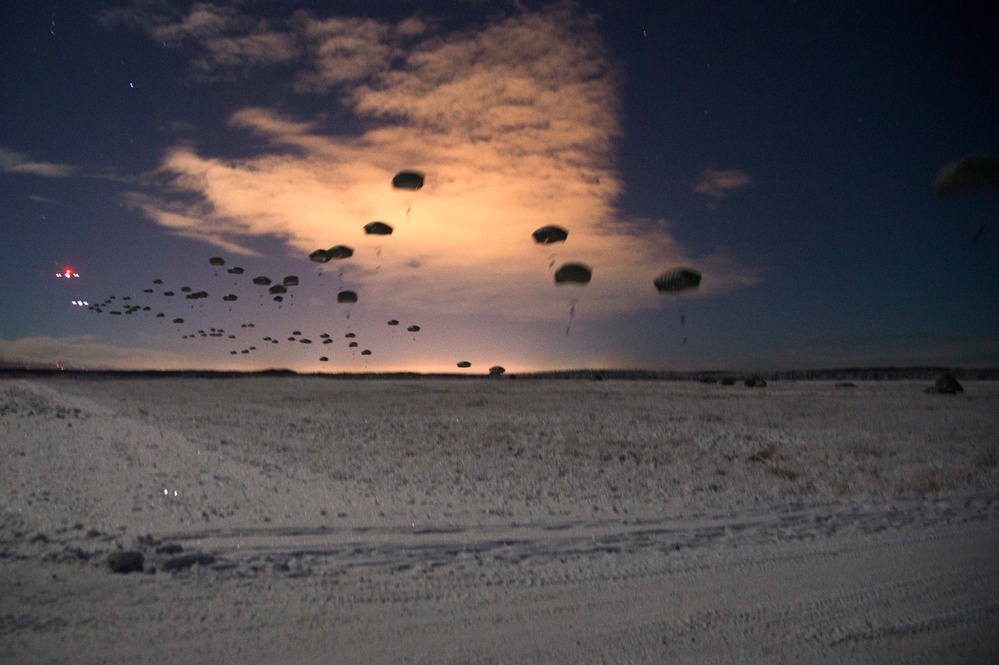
(309, 520)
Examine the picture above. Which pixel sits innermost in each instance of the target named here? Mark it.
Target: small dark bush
(127, 561)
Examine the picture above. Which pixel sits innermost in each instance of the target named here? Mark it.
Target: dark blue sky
(785, 150)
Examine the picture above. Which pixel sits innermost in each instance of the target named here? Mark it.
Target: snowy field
(309, 520)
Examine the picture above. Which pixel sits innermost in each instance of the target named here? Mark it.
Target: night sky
(785, 150)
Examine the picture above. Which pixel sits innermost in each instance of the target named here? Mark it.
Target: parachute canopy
(278, 288)
(291, 280)
(393, 322)
(217, 261)
(346, 296)
(678, 279)
(575, 273)
(377, 229)
(229, 298)
(320, 256)
(464, 363)
(408, 180)
(967, 176)
(547, 235)
(413, 328)
(262, 281)
(235, 270)
(340, 252)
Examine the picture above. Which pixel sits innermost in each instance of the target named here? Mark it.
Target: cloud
(719, 183)
(182, 219)
(229, 44)
(226, 42)
(234, 54)
(15, 162)
(344, 50)
(41, 199)
(514, 126)
(202, 21)
(12, 161)
(83, 352)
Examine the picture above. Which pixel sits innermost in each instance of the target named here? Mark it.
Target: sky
(784, 150)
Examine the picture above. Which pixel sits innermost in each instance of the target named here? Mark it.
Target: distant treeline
(710, 376)
(834, 374)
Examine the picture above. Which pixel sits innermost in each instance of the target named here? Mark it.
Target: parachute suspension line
(572, 313)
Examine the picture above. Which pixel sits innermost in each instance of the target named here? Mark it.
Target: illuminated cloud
(514, 127)
(719, 183)
(15, 162)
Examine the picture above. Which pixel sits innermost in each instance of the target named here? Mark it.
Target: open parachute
(377, 229)
(547, 235)
(678, 279)
(968, 176)
(573, 273)
(408, 180)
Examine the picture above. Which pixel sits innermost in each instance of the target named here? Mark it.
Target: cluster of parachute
(969, 175)
(670, 281)
(570, 273)
(123, 306)
(277, 289)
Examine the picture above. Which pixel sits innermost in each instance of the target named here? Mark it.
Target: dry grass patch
(988, 459)
(867, 450)
(761, 456)
(771, 457)
(785, 472)
(926, 482)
